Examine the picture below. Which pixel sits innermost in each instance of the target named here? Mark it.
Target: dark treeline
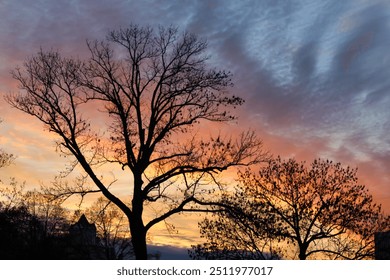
(23, 236)
(32, 226)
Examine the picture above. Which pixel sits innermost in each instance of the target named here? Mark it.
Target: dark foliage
(317, 212)
(22, 237)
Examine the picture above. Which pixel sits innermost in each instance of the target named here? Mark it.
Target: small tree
(235, 232)
(31, 225)
(112, 229)
(51, 214)
(20, 234)
(156, 89)
(5, 158)
(320, 210)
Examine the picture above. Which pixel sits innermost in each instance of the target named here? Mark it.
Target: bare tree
(317, 212)
(112, 229)
(38, 204)
(5, 158)
(31, 224)
(236, 232)
(51, 214)
(11, 195)
(156, 90)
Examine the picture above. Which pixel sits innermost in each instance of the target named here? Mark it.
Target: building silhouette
(382, 245)
(83, 233)
(85, 244)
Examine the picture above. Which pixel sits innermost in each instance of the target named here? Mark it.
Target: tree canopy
(297, 211)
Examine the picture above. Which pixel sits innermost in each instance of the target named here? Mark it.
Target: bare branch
(154, 87)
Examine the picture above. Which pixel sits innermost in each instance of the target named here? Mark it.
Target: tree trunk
(137, 227)
(138, 239)
(302, 251)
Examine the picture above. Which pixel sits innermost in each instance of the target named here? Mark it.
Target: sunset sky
(314, 74)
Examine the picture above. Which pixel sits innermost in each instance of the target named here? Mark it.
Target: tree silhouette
(31, 225)
(319, 210)
(20, 234)
(51, 214)
(156, 92)
(236, 232)
(112, 229)
(5, 158)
